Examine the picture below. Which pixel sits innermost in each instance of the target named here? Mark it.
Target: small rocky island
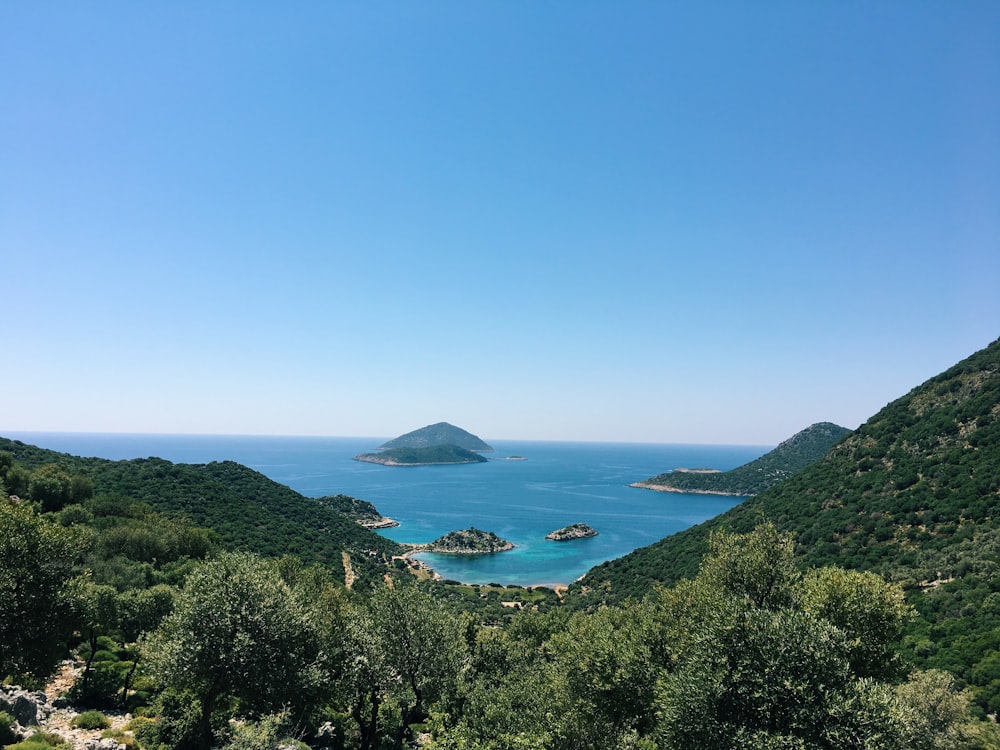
(573, 531)
(470, 541)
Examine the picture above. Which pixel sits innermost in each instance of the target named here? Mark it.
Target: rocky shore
(668, 488)
(573, 531)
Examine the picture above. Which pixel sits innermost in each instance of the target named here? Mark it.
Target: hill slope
(788, 458)
(245, 508)
(913, 494)
(441, 433)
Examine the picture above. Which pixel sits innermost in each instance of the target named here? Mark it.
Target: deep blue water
(522, 501)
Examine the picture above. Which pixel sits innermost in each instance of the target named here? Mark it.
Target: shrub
(91, 720)
(7, 735)
(122, 738)
(39, 741)
(145, 731)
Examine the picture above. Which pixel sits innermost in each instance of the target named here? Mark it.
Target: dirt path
(349, 576)
(59, 720)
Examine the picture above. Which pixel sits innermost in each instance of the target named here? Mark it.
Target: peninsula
(790, 457)
(573, 531)
(361, 512)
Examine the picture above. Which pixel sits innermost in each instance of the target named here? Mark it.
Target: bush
(103, 686)
(7, 735)
(91, 720)
(145, 731)
(40, 741)
(122, 738)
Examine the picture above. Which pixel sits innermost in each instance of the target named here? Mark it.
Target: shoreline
(390, 462)
(668, 488)
(418, 567)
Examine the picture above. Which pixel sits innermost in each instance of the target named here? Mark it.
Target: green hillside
(434, 454)
(788, 458)
(242, 506)
(913, 494)
(440, 433)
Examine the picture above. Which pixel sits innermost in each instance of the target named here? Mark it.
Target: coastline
(668, 488)
(390, 462)
(421, 568)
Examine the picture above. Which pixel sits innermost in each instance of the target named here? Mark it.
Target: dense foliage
(789, 457)
(912, 495)
(794, 621)
(434, 454)
(245, 509)
(469, 541)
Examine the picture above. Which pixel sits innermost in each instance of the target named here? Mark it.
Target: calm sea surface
(522, 501)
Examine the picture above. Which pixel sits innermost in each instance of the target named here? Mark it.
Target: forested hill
(440, 433)
(788, 458)
(245, 508)
(912, 494)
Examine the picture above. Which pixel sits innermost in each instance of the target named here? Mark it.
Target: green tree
(406, 646)
(758, 567)
(868, 609)
(36, 592)
(236, 632)
(51, 487)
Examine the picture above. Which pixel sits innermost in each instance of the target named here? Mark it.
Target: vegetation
(38, 591)
(91, 720)
(469, 541)
(436, 454)
(441, 433)
(911, 495)
(854, 605)
(241, 507)
(788, 458)
(361, 511)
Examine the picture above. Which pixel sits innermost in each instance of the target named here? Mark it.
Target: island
(471, 541)
(441, 433)
(435, 455)
(361, 512)
(573, 531)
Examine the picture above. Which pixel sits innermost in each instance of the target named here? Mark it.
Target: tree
(36, 590)
(868, 609)
(405, 645)
(758, 567)
(236, 632)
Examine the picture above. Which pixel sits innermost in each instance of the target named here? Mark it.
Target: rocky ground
(47, 711)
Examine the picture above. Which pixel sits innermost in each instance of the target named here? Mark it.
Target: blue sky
(649, 222)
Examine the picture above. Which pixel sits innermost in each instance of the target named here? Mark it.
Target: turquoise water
(522, 501)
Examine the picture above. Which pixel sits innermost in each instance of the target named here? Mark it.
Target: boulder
(25, 706)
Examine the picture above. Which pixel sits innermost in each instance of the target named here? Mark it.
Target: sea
(525, 490)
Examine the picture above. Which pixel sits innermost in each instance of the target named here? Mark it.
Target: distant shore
(391, 462)
(668, 488)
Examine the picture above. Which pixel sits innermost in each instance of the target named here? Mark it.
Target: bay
(557, 484)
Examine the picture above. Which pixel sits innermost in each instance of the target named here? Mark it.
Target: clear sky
(646, 221)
